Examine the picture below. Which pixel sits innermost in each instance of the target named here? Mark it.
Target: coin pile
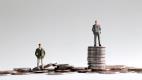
(96, 57)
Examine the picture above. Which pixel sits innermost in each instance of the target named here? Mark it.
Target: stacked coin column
(96, 57)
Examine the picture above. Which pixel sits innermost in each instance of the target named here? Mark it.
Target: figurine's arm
(93, 28)
(100, 28)
(43, 53)
(36, 53)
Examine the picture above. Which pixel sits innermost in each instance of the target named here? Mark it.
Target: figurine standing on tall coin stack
(97, 31)
(96, 53)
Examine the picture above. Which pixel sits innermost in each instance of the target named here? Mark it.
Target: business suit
(40, 53)
(96, 31)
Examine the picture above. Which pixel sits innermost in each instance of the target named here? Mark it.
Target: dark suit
(40, 53)
(96, 31)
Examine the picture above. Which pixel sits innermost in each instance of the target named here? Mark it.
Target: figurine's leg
(95, 39)
(38, 63)
(99, 39)
(42, 63)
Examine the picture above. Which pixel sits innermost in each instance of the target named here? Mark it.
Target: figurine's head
(39, 45)
(96, 21)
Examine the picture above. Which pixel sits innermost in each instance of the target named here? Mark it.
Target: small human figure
(40, 53)
(96, 31)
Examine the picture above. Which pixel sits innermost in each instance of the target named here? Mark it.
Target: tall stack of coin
(96, 57)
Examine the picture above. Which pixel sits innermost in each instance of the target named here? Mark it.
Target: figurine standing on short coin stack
(40, 53)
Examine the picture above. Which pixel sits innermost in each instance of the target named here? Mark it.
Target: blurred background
(63, 27)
